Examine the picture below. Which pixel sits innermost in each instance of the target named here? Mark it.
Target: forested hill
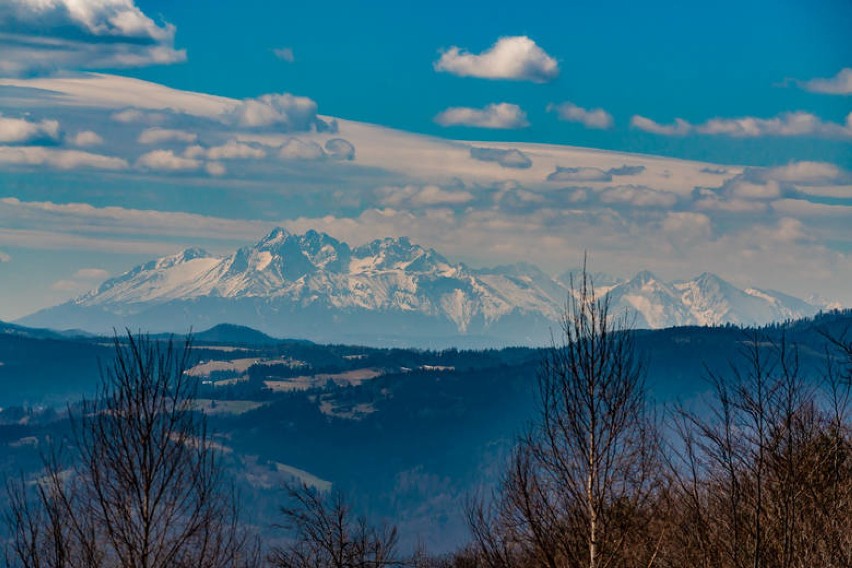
(409, 433)
(41, 366)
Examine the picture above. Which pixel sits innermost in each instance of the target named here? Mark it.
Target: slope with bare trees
(142, 485)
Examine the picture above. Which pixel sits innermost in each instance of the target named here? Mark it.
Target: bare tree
(841, 343)
(326, 534)
(144, 487)
(764, 477)
(582, 482)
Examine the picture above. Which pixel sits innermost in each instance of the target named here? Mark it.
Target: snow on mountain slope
(706, 300)
(314, 268)
(177, 276)
(654, 302)
(288, 281)
(711, 300)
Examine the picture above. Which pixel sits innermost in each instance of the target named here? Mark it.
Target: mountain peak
(288, 283)
(598, 279)
(191, 254)
(275, 236)
(709, 277)
(399, 253)
(644, 277)
(393, 243)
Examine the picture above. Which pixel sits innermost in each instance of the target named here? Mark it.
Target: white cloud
(195, 151)
(157, 135)
(516, 57)
(637, 196)
(757, 189)
(285, 112)
(233, 149)
(285, 54)
(508, 158)
(785, 124)
(59, 159)
(579, 174)
(837, 191)
(340, 149)
(23, 131)
(131, 100)
(795, 178)
(86, 138)
(840, 84)
(679, 128)
(615, 224)
(805, 172)
(131, 115)
(393, 151)
(626, 170)
(802, 208)
(58, 239)
(761, 252)
(215, 168)
(687, 226)
(590, 118)
(82, 280)
(296, 149)
(47, 35)
(512, 197)
(745, 189)
(811, 178)
(427, 195)
(166, 160)
(497, 115)
(434, 195)
(787, 230)
(707, 200)
(66, 218)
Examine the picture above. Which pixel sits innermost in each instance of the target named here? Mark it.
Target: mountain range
(385, 292)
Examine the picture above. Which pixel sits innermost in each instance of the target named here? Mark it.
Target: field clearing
(242, 365)
(235, 365)
(229, 382)
(224, 348)
(348, 378)
(356, 412)
(222, 407)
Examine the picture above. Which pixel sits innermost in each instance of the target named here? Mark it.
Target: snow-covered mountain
(317, 287)
(705, 300)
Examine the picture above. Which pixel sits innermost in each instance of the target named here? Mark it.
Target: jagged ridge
(395, 283)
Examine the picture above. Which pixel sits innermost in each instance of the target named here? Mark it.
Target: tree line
(757, 475)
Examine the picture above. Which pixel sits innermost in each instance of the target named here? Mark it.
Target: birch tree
(580, 489)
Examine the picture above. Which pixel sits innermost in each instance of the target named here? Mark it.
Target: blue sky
(658, 59)
(212, 121)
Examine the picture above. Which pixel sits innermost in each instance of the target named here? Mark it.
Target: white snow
(380, 282)
(263, 260)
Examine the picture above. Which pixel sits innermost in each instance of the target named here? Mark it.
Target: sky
(674, 137)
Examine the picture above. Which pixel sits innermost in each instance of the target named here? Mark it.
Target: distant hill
(388, 291)
(407, 433)
(235, 334)
(23, 331)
